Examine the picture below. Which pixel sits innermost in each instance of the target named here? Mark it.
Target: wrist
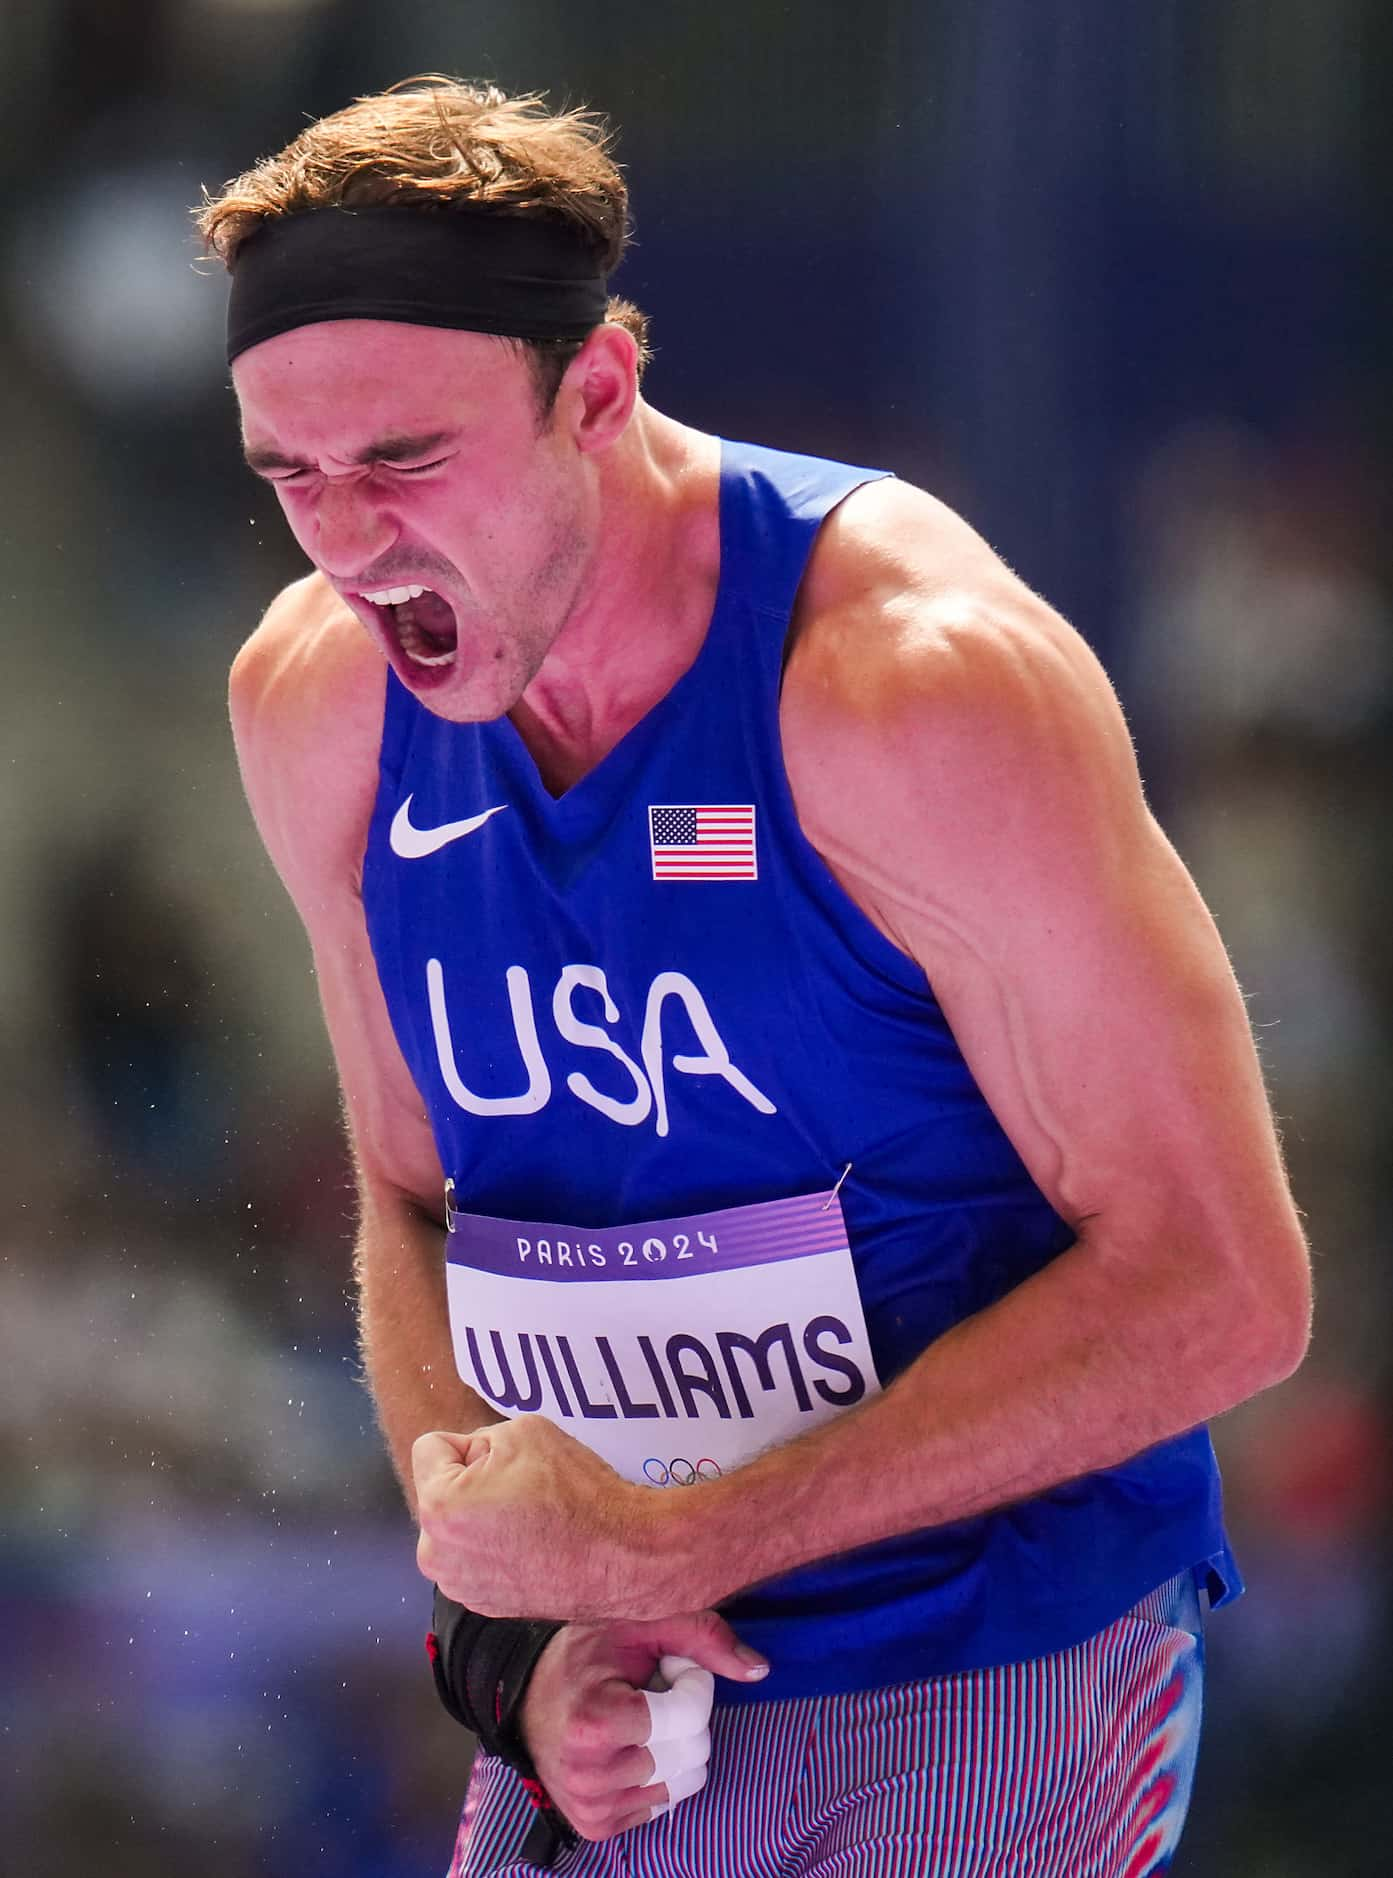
(674, 1564)
(721, 1536)
(482, 1668)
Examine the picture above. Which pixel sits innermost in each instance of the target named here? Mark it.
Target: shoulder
(305, 697)
(309, 664)
(905, 610)
(915, 643)
(936, 712)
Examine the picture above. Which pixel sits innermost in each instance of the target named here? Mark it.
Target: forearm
(404, 1330)
(1080, 1368)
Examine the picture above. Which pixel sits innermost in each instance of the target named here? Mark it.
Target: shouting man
(815, 1176)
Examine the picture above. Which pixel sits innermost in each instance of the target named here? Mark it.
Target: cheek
(545, 513)
(299, 518)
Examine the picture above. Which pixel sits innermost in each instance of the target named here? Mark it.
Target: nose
(349, 530)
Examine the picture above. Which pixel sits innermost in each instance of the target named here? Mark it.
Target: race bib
(676, 1348)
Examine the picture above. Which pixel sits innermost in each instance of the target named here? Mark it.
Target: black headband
(465, 266)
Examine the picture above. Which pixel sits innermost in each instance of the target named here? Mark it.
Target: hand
(519, 1519)
(587, 1722)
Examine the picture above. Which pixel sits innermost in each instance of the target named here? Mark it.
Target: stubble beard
(545, 608)
(523, 636)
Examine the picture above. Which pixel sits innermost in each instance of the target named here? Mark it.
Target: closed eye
(417, 469)
(397, 469)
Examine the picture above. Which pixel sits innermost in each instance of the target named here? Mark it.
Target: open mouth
(421, 621)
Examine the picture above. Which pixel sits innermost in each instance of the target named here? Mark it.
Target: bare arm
(306, 698)
(959, 759)
(962, 764)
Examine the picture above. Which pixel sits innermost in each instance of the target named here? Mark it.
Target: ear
(600, 389)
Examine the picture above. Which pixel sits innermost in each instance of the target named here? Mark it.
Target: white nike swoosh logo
(413, 843)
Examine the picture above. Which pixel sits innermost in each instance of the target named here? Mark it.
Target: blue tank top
(649, 997)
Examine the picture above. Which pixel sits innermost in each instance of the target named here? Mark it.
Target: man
(749, 959)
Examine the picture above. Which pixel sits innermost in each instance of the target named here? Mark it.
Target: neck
(641, 615)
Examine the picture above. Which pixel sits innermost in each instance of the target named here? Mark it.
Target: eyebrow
(398, 447)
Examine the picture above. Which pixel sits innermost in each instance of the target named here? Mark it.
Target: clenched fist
(610, 1755)
(519, 1519)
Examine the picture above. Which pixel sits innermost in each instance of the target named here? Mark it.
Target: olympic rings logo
(679, 1472)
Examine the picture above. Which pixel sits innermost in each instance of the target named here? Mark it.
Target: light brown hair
(436, 139)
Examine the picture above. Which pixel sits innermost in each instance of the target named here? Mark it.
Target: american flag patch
(702, 841)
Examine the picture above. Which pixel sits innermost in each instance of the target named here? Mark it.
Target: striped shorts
(1077, 1765)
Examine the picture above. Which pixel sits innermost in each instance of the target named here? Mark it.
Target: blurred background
(1108, 278)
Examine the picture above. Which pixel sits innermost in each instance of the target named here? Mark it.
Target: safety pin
(837, 1189)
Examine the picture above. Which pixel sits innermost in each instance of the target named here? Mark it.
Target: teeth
(416, 646)
(394, 596)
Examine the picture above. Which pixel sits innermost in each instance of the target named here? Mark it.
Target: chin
(480, 698)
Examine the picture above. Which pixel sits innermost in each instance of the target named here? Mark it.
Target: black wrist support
(482, 1666)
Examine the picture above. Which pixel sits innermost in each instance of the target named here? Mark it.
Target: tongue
(433, 618)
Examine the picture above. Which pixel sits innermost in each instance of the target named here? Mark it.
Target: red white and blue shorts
(1077, 1765)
